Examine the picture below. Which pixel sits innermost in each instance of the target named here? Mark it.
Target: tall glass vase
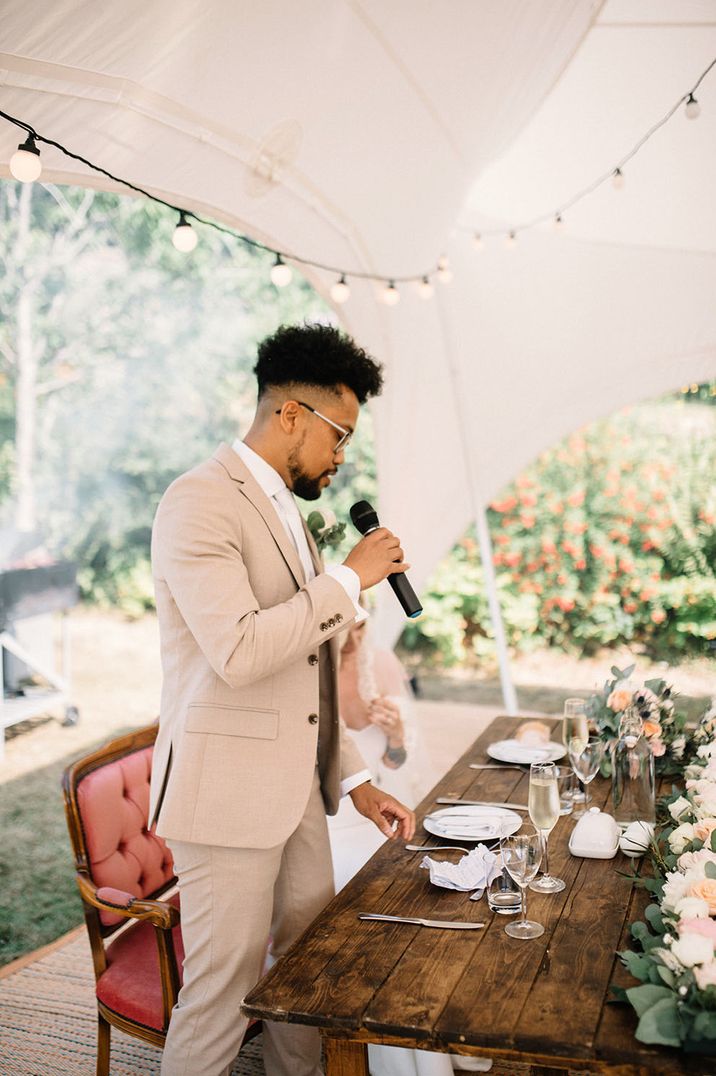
(633, 781)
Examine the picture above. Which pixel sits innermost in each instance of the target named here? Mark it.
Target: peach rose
(619, 699)
(706, 975)
(652, 728)
(706, 890)
(658, 747)
(704, 829)
(707, 927)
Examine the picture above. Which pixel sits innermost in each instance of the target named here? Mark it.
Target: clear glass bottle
(633, 784)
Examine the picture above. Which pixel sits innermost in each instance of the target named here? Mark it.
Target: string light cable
(26, 166)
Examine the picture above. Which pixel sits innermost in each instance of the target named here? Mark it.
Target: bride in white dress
(375, 703)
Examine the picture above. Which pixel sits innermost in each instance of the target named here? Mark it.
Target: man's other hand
(384, 810)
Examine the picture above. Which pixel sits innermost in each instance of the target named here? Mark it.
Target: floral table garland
(676, 956)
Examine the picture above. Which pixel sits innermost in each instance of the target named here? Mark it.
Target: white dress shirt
(287, 511)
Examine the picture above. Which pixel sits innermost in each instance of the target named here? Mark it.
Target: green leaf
(710, 870)
(713, 840)
(636, 964)
(660, 1023)
(644, 997)
(639, 930)
(704, 1026)
(315, 521)
(654, 917)
(667, 975)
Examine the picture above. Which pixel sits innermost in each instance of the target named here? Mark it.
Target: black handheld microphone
(365, 520)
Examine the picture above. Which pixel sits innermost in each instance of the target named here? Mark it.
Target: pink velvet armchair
(125, 876)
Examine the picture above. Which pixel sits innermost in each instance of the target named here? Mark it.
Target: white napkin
(525, 753)
(474, 871)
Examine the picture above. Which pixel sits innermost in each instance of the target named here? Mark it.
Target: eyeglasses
(343, 441)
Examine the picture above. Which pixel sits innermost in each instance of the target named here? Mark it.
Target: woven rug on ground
(48, 1023)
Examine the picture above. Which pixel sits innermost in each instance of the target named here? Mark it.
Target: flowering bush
(676, 1002)
(664, 727)
(596, 544)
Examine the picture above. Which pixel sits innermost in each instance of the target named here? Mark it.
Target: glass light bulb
(424, 288)
(558, 223)
(618, 179)
(693, 108)
(25, 163)
(280, 273)
(443, 271)
(390, 294)
(511, 240)
(477, 241)
(185, 237)
(340, 292)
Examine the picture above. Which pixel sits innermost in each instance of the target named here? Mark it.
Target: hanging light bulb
(477, 241)
(340, 292)
(558, 222)
(390, 294)
(280, 273)
(693, 108)
(25, 163)
(424, 288)
(184, 238)
(511, 240)
(444, 272)
(618, 179)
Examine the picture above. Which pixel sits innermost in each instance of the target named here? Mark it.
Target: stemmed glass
(544, 810)
(575, 727)
(586, 760)
(521, 856)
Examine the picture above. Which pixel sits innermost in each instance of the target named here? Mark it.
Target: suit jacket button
(324, 626)
(313, 659)
(331, 622)
(313, 718)
(338, 618)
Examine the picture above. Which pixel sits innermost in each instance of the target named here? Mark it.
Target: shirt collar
(267, 477)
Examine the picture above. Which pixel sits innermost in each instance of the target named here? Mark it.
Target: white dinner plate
(514, 751)
(472, 823)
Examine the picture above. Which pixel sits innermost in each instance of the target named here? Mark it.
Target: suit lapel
(250, 489)
(313, 548)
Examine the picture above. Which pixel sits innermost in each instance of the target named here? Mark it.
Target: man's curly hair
(318, 355)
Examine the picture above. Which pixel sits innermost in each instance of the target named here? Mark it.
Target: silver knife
(444, 923)
(481, 803)
(495, 766)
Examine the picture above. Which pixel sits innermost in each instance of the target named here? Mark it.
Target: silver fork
(435, 848)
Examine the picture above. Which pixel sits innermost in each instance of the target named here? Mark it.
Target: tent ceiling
(390, 130)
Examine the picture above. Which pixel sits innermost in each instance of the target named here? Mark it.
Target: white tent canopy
(375, 136)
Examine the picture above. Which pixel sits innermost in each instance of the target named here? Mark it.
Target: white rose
(680, 837)
(675, 889)
(706, 802)
(678, 745)
(691, 908)
(679, 807)
(707, 750)
(329, 518)
(692, 949)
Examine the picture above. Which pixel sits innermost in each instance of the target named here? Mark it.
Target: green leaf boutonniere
(325, 530)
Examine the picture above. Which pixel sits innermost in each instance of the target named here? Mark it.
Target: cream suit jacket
(249, 658)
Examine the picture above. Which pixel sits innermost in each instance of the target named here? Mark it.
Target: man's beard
(305, 487)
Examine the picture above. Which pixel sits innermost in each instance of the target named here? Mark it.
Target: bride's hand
(386, 715)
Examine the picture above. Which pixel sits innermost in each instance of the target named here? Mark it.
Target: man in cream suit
(251, 754)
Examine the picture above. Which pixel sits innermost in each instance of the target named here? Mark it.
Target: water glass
(566, 786)
(586, 760)
(522, 855)
(503, 893)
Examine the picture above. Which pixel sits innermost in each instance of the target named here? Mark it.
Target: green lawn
(38, 896)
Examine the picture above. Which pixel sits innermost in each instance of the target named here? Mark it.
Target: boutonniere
(324, 529)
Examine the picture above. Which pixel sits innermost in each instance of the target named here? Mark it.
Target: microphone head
(364, 517)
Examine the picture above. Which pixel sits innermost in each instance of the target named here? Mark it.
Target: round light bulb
(340, 292)
(618, 179)
(558, 222)
(511, 240)
(390, 294)
(424, 288)
(25, 163)
(280, 273)
(444, 272)
(477, 241)
(184, 238)
(693, 108)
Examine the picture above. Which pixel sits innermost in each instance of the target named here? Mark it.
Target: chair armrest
(105, 899)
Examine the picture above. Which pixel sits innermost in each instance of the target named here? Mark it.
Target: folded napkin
(474, 871)
(520, 752)
(457, 824)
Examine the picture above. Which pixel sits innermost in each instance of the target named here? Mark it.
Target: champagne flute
(521, 857)
(586, 760)
(544, 810)
(575, 727)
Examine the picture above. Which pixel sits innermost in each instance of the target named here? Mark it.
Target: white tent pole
(509, 696)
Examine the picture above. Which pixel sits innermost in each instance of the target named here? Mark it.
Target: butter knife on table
(481, 803)
(445, 924)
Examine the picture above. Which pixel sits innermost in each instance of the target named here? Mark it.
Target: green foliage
(608, 538)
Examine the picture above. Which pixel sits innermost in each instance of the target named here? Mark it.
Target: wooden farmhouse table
(480, 993)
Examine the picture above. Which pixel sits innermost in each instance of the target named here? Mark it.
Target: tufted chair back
(120, 852)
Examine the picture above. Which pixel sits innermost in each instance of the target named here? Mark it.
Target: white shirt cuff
(359, 778)
(351, 584)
